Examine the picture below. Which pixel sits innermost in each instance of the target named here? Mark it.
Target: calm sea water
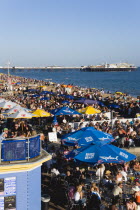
(127, 82)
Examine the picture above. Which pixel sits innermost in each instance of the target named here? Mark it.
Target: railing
(20, 149)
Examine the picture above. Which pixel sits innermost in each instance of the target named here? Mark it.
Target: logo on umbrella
(89, 155)
(124, 155)
(109, 158)
(23, 115)
(88, 139)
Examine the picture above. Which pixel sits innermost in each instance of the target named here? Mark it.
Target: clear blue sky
(69, 32)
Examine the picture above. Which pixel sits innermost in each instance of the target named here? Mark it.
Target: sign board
(52, 136)
(1, 203)
(10, 186)
(8, 193)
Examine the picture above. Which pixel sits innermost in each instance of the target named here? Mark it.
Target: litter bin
(45, 198)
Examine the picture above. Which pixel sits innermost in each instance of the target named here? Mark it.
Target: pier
(39, 68)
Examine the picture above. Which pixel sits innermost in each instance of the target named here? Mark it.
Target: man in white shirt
(117, 190)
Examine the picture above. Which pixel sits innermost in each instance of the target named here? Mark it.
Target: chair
(71, 203)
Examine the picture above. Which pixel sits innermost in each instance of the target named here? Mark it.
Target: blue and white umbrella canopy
(114, 106)
(44, 99)
(86, 136)
(46, 92)
(64, 111)
(65, 102)
(104, 154)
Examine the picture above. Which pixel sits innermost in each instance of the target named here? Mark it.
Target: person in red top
(137, 194)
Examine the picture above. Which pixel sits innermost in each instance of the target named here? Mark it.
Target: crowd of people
(83, 186)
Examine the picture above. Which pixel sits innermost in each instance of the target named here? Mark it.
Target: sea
(126, 82)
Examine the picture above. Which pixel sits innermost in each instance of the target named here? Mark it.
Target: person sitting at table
(95, 190)
(68, 177)
(95, 199)
(117, 191)
(107, 180)
(136, 168)
(124, 174)
(119, 177)
(78, 196)
(131, 205)
(77, 173)
(136, 194)
(126, 167)
(137, 183)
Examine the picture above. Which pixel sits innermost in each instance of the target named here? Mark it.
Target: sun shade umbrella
(17, 108)
(13, 110)
(41, 113)
(119, 93)
(32, 90)
(69, 96)
(44, 99)
(104, 154)
(2, 100)
(35, 96)
(89, 110)
(20, 114)
(46, 92)
(65, 102)
(85, 136)
(86, 101)
(115, 106)
(7, 104)
(64, 111)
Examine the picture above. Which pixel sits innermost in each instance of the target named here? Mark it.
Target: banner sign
(52, 136)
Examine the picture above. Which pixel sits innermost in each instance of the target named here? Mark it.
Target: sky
(69, 32)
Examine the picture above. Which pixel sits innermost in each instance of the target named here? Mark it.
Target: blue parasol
(86, 136)
(114, 106)
(44, 99)
(64, 111)
(104, 154)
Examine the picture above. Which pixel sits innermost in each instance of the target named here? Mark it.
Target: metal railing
(20, 148)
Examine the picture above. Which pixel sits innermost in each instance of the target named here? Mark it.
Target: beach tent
(41, 113)
(104, 154)
(20, 114)
(86, 101)
(7, 104)
(64, 111)
(89, 110)
(86, 136)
